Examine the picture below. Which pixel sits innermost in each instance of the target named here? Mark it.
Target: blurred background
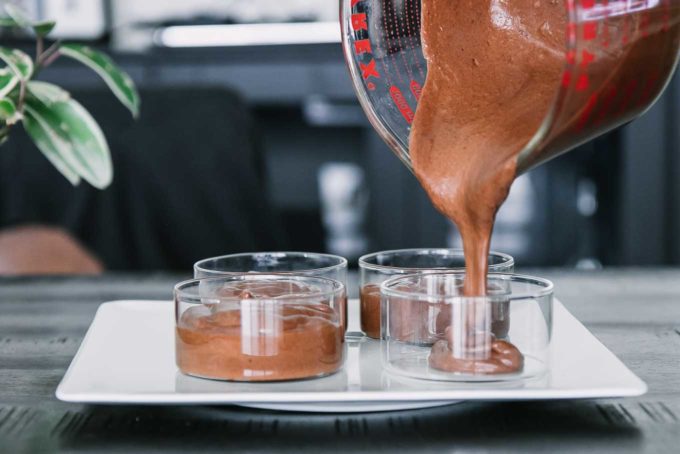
(251, 138)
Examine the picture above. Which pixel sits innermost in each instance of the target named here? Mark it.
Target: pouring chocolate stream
(491, 80)
(472, 121)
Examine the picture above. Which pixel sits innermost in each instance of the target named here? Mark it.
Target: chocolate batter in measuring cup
(509, 85)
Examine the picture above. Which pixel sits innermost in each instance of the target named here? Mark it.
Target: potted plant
(59, 126)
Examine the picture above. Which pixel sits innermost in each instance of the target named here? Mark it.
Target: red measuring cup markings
(619, 56)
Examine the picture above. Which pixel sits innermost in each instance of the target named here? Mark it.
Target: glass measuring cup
(618, 57)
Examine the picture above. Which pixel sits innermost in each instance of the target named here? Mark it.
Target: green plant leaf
(50, 144)
(80, 142)
(7, 109)
(47, 93)
(8, 80)
(19, 16)
(118, 81)
(44, 28)
(89, 143)
(19, 62)
(8, 112)
(8, 22)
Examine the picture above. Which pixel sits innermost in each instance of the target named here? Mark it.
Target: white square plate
(128, 357)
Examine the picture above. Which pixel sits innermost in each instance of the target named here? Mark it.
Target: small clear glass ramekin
(432, 331)
(378, 267)
(254, 327)
(290, 263)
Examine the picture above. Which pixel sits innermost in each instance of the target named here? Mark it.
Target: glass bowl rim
(509, 261)
(198, 266)
(181, 294)
(544, 288)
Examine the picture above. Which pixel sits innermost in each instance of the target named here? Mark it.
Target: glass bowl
(432, 331)
(254, 327)
(380, 266)
(290, 263)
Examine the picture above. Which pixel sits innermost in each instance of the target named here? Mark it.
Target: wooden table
(636, 313)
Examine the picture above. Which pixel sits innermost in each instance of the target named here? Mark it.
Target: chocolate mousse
(409, 321)
(259, 336)
(370, 310)
(495, 357)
